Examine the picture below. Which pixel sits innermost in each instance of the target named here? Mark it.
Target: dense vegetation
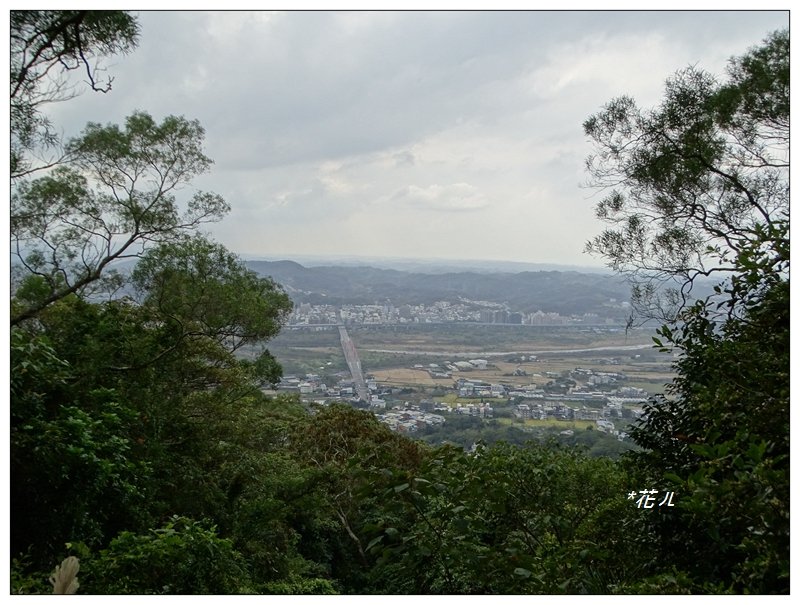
(140, 443)
(467, 432)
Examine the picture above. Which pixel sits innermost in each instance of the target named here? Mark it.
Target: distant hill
(565, 292)
(434, 265)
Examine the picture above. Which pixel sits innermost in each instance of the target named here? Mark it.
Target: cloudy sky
(448, 135)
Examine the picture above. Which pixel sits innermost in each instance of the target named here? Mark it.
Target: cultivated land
(651, 376)
(467, 338)
(389, 353)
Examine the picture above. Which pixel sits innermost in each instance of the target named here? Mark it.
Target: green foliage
(670, 583)
(714, 157)
(695, 180)
(465, 431)
(125, 412)
(316, 586)
(72, 458)
(722, 438)
(598, 443)
(350, 451)
(204, 289)
(119, 418)
(339, 433)
(45, 45)
(510, 520)
(758, 93)
(116, 194)
(23, 581)
(34, 364)
(182, 557)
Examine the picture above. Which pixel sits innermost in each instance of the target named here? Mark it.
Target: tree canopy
(45, 46)
(117, 194)
(697, 180)
(700, 188)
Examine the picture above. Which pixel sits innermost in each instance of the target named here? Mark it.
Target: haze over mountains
(565, 292)
(432, 265)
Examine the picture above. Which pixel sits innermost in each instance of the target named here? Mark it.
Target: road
(354, 363)
(484, 354)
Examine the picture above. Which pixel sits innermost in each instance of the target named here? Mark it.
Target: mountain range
(565, 292)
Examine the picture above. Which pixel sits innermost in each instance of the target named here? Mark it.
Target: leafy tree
(721, 439)
(45, 46)
(182, 557)
(354, 457)
(117, 195)
(694, 181)
(136, 409)
(206, 290)
(119, 419)
(703, 189)
(67, 455)
(280, 519)
(510, 520)
(112, 190)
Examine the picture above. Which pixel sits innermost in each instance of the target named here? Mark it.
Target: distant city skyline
(406, 135)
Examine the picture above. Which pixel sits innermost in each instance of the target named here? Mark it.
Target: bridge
(354, 363)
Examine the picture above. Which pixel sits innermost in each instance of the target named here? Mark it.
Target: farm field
(403, 377)
(390, 353)
(649, 376)
(490, 339)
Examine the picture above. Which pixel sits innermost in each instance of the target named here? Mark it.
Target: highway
(354, 363)
(484, 354)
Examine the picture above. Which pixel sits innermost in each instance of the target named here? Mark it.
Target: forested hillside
(145, 458)
(565, 292)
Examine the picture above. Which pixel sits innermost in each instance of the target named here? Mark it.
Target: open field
(490, 339)
(390, 352)
(575, 425)
(651, 378)
(402, 377)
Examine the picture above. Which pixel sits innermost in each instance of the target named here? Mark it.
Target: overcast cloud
(405, 134)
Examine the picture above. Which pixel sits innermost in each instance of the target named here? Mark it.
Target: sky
(438, 135)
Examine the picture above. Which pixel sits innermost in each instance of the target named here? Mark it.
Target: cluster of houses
(446, 369)
(582, 394)
(410, 419)
(482, 410)
(475, 311)
(311, 385)
(478, 388)
(545, 410)
(596, 378)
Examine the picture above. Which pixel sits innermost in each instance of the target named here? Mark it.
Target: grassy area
(450, 399)
(653, 387)
(550, 422)
(460, 337)
(375, 361)
(453, 400)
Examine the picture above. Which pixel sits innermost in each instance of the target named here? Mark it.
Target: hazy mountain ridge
(566, 292)
(434, 266)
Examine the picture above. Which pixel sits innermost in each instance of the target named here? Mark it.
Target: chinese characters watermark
(648, 498)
